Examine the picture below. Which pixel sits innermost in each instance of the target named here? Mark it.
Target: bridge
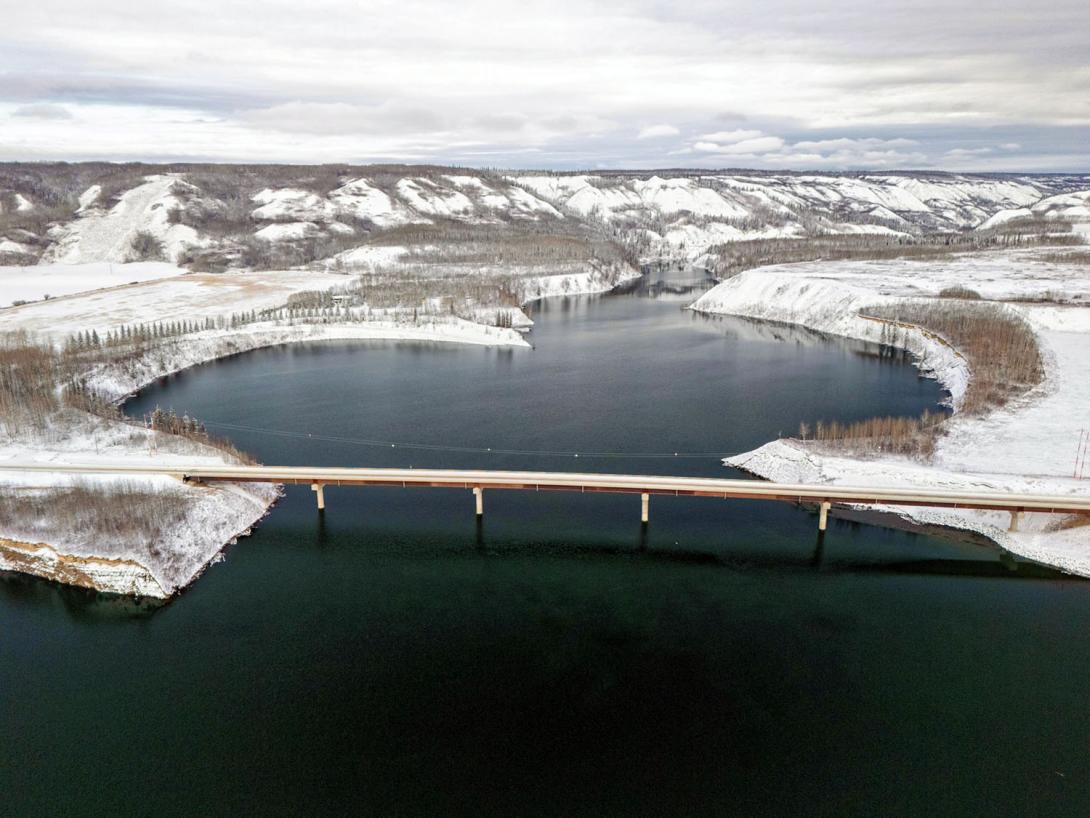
(479, 481)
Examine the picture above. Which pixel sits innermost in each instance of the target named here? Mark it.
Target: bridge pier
(644, 501)
(478, 494)
(823, 516)
(1015, 517)
(319, 493)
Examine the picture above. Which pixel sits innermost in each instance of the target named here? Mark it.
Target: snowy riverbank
(59, 548)
(1029, 445)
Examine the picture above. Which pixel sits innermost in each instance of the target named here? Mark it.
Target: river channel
(394, 657)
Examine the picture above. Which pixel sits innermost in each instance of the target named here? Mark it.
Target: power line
(392, 444)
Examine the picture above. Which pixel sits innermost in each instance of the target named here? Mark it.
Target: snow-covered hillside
(101, 233)
(238, 216)
(941, 201)
(1070, 207)
(285, 214)
(219, 210)
(683, 216)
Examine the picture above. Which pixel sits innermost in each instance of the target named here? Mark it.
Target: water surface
(393, 657)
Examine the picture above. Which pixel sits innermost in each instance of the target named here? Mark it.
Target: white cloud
(962, 153)
(656, 131)
(836, 153)
(738, 143)
(729, 136)
(760, 144)
(845, 144)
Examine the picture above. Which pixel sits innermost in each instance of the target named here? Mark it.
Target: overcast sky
(983, 85)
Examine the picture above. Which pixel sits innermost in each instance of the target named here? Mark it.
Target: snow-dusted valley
(113, 276)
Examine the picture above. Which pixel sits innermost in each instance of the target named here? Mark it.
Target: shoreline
(174, 355)
(827, 297)
(932, 356)
(241, 514)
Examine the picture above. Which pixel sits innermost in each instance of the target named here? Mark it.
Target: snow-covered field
(55, 280)
(1027, 446)
(191, 297)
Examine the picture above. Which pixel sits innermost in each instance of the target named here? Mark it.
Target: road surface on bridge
(480, 480)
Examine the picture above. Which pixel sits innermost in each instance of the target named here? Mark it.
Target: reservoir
(393, 656)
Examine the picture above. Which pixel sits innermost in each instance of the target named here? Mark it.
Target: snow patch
(428, 198)
(291, 205)
(89, 196)
(15, 248)
(282, 231)
(98, 236)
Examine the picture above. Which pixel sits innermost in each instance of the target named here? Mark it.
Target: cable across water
(432, 447)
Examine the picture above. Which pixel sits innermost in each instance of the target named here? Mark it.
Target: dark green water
(393, 658)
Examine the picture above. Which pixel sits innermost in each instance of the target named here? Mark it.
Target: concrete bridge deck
(478, 481)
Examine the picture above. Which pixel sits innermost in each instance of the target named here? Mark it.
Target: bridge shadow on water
(84, 605)
(1002, 565)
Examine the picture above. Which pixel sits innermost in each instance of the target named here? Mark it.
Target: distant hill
(213, 217)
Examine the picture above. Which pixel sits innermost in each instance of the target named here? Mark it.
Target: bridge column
(823, 516)
(1015, 517)
(644, 500)
(319, 493)
(478, 494)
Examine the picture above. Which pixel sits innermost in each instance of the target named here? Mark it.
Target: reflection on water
(80, 604)
(669, 280)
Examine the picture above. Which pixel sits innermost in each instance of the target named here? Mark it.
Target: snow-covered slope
(941, 201)
(685, 215)
(675, 215)
(1069, 207)
(18, 203)
(106, 235)
(291, 213)
(1072, 207)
